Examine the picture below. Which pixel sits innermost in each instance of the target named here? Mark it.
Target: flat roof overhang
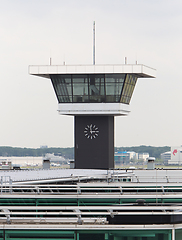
(139, 70)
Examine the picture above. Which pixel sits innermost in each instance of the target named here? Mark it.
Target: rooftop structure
(93, 204)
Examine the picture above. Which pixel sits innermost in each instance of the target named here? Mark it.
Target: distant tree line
(35, 152)
(69, 152)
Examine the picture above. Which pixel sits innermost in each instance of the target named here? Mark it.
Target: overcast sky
(32, 31)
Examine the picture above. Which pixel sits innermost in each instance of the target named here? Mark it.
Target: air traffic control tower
(93, 94)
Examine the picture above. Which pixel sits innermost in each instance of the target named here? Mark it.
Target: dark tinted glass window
(81, 88)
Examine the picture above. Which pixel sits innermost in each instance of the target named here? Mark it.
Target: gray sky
(32, 31)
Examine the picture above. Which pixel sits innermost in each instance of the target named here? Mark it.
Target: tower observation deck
(94, 94)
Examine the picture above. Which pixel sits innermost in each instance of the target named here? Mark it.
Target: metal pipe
(94, 43)
(173, 234)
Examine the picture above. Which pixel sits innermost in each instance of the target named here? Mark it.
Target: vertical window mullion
(122, 90)
(72, 86)
(88, 81)
(105, 87)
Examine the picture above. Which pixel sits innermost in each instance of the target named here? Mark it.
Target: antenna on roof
(94, 43)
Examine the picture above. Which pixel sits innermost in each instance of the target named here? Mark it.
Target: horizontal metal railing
(90, 189)
(80, 214)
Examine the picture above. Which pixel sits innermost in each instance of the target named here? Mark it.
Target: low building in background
(124, 157)
(143, 156)
(166, 157)
(133, 155)
(173, 157)
(121, 157)
(43, 146)
(176, 155)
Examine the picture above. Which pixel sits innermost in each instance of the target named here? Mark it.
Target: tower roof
(139, 70)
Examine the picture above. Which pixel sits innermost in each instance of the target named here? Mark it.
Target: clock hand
(91, 129)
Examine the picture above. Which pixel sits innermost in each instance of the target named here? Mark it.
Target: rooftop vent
(141, 202)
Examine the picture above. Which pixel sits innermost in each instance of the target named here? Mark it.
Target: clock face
(91, 131)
